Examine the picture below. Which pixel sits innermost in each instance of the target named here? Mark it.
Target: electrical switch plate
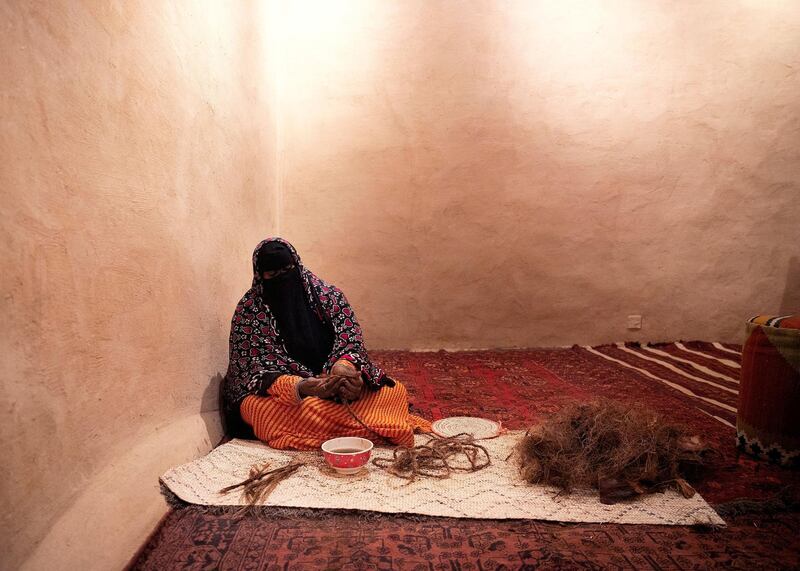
(634, 322)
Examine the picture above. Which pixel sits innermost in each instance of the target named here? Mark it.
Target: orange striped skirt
(284, 422)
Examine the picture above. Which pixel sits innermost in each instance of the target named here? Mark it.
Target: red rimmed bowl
(348, 454)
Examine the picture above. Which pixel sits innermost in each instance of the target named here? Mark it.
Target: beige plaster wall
(517, 173)
(136, 171)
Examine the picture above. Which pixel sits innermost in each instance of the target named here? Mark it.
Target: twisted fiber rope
(432, 459)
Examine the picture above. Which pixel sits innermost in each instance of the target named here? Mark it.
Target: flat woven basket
(479, 428)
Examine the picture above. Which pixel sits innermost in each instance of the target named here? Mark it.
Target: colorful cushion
(768, 418)
(781, 322)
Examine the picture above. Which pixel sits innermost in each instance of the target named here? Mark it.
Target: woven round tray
(477, 427)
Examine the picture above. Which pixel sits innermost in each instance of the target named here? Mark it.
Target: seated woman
(297, 355)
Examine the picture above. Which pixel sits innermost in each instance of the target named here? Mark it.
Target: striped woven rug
(706, 373)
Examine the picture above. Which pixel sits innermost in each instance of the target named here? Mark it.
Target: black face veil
(307, 339)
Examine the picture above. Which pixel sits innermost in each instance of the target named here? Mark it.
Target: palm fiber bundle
(262, 481)
(623, 450)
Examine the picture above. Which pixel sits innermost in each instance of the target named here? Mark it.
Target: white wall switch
(634, 322)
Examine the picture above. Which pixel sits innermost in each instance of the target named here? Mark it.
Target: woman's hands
(350, 389)
(352, 383)
(344, 381)
(323, 386)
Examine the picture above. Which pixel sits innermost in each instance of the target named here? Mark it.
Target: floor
(693, 382)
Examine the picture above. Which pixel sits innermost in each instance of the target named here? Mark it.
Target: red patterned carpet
(694, 383)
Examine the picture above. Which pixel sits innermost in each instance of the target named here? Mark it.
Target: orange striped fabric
(284, 422)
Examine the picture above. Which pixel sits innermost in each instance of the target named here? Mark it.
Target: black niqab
(307, 339)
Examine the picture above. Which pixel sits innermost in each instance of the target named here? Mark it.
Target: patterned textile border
(496, 492)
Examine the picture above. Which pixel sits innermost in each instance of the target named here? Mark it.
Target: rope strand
(364, 424)
(434, 459)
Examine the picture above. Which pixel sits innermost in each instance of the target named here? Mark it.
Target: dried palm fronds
(259, 485)
(623, 450)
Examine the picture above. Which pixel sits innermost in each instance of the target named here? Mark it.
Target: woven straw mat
(496, 492)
